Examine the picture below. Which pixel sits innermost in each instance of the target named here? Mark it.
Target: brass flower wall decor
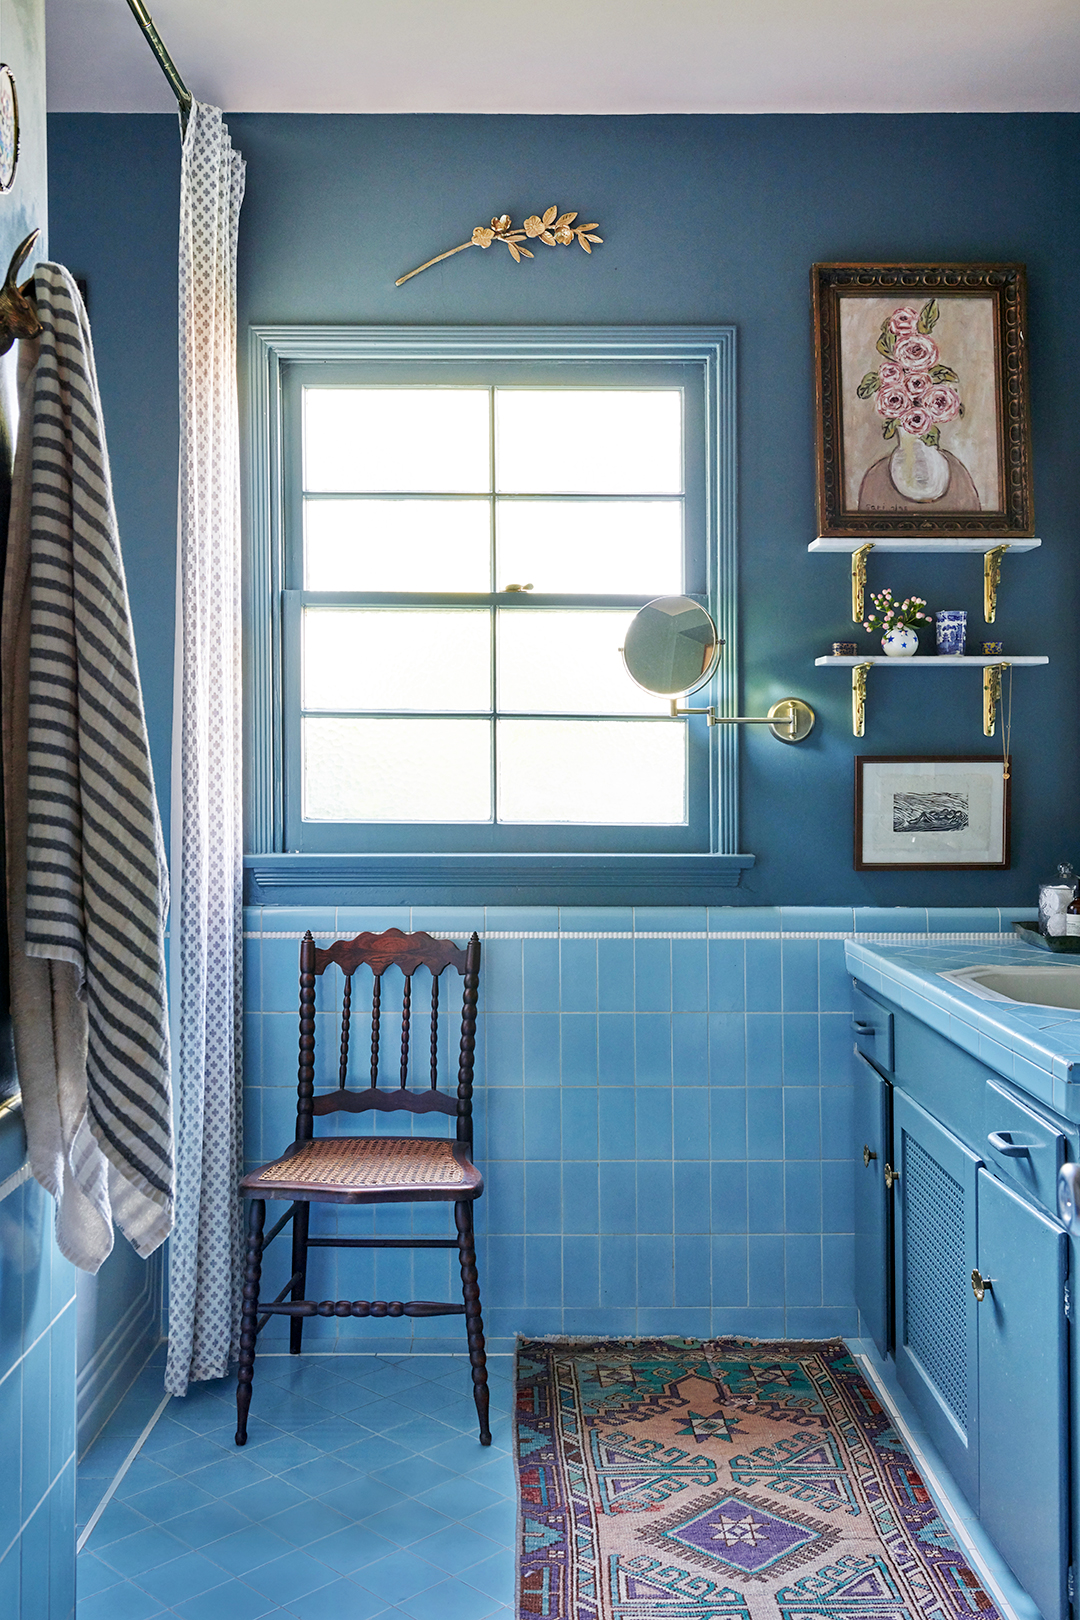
(551, 228)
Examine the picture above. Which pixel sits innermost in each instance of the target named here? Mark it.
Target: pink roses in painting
(911, 388)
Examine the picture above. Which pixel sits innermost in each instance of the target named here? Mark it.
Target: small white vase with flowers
(898, 622)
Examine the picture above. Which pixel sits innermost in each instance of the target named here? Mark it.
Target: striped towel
(87, 883)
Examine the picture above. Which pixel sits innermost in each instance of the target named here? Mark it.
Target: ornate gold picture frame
(922, 401)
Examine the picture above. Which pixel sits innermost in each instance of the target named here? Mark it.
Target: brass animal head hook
(18, 317)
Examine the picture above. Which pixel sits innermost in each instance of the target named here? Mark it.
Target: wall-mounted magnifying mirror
(672, 648)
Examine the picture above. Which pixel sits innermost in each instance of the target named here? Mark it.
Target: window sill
(433, 880)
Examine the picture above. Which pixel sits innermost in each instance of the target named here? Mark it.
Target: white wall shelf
(913, 544)
(991, 667)
(859, 547)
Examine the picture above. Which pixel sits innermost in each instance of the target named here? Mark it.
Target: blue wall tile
(651, 1149)
(727, 975)
(615, 975)
(615, 1049)
(652, 975)
(764, 979)
(690, 1049)
(579, 1049)
(577, 975)
(689, 975)
(799, 968)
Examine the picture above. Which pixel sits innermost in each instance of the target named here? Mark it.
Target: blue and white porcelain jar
(900, 642)
(951, 626)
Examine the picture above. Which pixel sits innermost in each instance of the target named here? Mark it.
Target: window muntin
(592, 554)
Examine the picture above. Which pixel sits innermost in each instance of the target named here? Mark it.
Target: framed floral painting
(922, 401)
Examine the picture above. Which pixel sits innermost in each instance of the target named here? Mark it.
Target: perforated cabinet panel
(935, 1281)
(934, 1210)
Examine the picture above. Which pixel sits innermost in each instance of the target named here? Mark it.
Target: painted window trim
(270, 349)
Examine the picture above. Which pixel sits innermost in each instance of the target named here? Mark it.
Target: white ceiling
(574, 56)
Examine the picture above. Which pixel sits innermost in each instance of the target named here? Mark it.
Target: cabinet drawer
(872, 1025)
(1021, 1146)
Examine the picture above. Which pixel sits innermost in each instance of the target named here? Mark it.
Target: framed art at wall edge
(926, 812)
(921, 401)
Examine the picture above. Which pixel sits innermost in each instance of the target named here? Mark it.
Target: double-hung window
(452, 532)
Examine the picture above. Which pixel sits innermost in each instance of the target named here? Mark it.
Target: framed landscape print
(922, 401)
(923, 812)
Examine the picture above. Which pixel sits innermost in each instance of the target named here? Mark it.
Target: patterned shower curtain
(206, 1250)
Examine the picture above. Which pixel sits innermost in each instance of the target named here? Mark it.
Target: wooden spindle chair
(371, 1169)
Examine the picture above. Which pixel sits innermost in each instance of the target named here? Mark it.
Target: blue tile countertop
(1038, 1048)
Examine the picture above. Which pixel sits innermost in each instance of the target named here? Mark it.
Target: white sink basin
(1052, 985)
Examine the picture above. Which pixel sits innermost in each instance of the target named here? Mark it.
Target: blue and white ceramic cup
(951, 626)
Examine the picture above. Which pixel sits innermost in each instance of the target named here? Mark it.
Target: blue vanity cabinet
(1023, 1428)
(935, 1252)
(973, 1214)
(873, 1203)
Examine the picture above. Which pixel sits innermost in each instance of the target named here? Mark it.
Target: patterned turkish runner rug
(738, 1479)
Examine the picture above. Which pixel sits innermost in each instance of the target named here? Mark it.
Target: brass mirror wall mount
(672, 648)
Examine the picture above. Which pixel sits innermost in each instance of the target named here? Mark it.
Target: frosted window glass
(591, 547)
(552, 661)
(397, 545)
(397, 658)
(589, 441)
(397, 439)
(397, 770)
(621, 771)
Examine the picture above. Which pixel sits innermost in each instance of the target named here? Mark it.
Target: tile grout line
(118, 1477)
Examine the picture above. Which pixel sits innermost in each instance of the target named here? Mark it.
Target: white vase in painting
(900, 642)
(918, 470)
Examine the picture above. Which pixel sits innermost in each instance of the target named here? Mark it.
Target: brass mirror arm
(858, 581)
(858, 699)
(991, 581)
(791, 719)
(992, 674)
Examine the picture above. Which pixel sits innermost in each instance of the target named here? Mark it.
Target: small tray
(1029, 933)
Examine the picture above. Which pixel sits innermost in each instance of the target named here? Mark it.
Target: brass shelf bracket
(790, 720)
(991, 581)
(858, 584)
(858, 699)
(991, 696)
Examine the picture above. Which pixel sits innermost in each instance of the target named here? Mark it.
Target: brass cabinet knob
(981, 1286)
(867, 1155)
(891, 1175)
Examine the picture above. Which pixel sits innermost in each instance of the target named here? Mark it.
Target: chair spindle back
(380, 951)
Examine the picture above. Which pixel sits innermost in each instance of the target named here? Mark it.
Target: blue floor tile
(247, 1549)
(347, 1503)
(407, 1522)
(398, 1577)
(122, 1602)
(233, 1601)
(181, 1578)
(456, 1548)
(452, 1600)
(292, 1576)
(341, 1600)
(349, 1549)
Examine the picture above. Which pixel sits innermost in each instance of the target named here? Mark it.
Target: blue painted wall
(705, 219)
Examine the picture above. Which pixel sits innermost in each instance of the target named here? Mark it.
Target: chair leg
(249, 1320)
(474, 1324)
(299, 1264)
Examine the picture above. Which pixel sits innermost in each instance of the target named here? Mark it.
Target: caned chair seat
(378, 1169)
(374, 1169)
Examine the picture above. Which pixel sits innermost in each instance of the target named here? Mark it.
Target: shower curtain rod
(168, 66)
